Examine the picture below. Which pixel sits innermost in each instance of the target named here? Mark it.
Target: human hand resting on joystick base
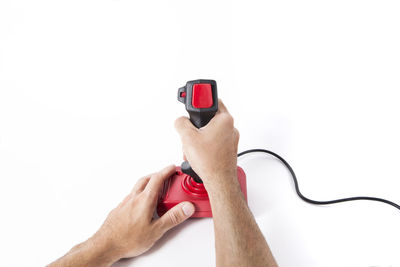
(130, 229)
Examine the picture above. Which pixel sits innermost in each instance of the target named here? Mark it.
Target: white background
(88, 100)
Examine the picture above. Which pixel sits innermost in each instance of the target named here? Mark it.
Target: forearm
(238, 239)
(92, 252)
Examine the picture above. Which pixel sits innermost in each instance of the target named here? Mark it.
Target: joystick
(201, 101)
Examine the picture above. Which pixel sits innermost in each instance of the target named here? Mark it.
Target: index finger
(184, 127)
(155, 184)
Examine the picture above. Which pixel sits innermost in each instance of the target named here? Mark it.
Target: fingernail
(188, 209)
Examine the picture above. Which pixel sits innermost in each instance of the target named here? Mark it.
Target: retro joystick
(201, 101)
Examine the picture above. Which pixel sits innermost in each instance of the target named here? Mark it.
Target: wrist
(102, 252)
(226, 183)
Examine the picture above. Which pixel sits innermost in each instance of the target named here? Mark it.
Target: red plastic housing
(181, 187)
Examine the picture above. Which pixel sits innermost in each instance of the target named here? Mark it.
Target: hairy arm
(212, 153)
(238, 239)
(88, 253)
(130, 228)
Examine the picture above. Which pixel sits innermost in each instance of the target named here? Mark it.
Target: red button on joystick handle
(202, 95)
(201, 100)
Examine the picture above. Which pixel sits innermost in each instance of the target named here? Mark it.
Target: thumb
(178, 214)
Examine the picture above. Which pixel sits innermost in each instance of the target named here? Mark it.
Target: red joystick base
(181, 187)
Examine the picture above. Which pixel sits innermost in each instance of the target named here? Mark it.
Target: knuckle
(139, 184)
(228, 119)
(176, 123)
(237, 133)
(174, 218)
(156, 175)
(150, 193)
(141, 180)
(180, 122)
(231, 120)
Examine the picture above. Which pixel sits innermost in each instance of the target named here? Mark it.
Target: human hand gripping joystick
(205, 137)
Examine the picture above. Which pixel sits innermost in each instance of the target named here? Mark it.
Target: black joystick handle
(201, 101)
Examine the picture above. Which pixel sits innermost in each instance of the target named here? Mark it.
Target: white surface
(88, 101)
